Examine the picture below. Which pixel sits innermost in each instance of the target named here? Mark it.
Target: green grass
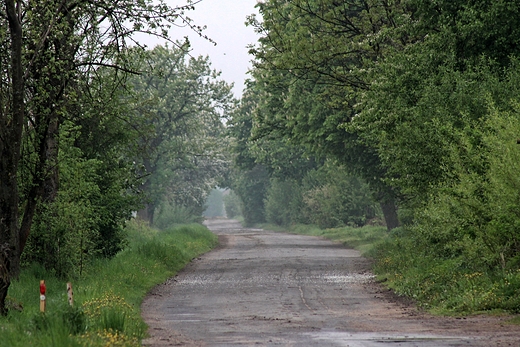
(446, 286)
(107, 297)
(515, 321)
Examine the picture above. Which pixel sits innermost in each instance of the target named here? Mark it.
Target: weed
(113, 320)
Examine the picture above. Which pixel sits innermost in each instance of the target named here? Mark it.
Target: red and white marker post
(42, 295)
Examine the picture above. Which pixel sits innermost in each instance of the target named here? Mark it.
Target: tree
(46, 46)
(421, 96)
(248, 180)
(469, 29)
(98, 187)
(294, 187)
(232, 204)
(311, 65)
(185, 103)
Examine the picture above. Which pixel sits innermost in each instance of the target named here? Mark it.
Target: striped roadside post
(42, 295)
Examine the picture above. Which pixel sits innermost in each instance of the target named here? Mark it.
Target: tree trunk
(11, 125)
(4, 287)
(5, 279)
(390, 213)
(147, 213)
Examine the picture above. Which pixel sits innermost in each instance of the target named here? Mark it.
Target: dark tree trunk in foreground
(11, 126)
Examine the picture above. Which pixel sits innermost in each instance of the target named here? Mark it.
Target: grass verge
(447, 286)
(107, 297)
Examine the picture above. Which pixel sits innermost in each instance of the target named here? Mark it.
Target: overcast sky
(225, 25)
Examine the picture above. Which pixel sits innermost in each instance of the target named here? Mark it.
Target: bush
(333, 199)
(232, 204)
(252, 187)
(412, 268)
(283, 203)
(86, 220)
(460, 250)
(169, 215)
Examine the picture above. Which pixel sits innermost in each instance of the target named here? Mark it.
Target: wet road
(270, 289)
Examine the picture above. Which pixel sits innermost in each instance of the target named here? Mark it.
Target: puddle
(326, 278)
(349, 278)
(381, 340)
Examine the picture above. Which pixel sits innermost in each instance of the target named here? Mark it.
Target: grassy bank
(446, 285)
(108, 295)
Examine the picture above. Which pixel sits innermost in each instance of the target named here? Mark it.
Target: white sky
(225, 25)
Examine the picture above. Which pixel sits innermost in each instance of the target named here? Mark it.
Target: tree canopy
(406, 95)
(182, 104)
(63, 66)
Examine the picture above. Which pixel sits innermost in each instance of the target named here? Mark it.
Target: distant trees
(182, 106)
(310, 68)
(214, 206)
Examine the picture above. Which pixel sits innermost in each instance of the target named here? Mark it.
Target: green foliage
(67, 180)
(301, 189)
(332, 199)
(113, 320)
(461, 254)
(74, 318)
(477, 217)
(65, 319)
(326, 197)
(87, 217)
(169, 215)
(472, 29)
(232, 204)
(108, 296)
(313, 63)
(183, 102)
(251, 186)
(283, 202)
(444, 284)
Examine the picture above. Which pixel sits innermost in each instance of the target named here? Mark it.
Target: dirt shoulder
(273, 289)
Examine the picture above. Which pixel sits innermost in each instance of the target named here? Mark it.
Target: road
(261, 288)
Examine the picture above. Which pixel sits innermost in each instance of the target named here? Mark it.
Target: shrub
(283, 202)
(169, 215)
(232, 204)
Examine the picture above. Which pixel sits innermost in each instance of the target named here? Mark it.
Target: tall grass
(107, 297)
(447, 285)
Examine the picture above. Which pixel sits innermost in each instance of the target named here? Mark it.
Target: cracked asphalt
(260, 288)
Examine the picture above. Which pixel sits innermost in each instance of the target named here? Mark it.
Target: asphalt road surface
(261, 288)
